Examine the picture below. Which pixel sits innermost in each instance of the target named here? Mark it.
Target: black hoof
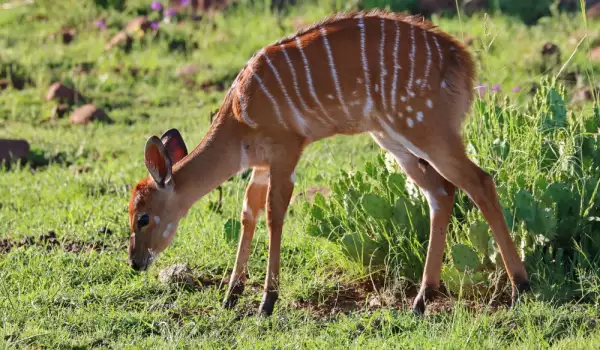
(519, 289)
(425, 295)
(233, 294)
(268, 303)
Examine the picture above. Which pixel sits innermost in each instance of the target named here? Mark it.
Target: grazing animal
(394, 76)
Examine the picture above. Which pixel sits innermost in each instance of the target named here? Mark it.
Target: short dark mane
(417, 20)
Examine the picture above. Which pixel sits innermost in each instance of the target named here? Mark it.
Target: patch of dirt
(371, 293)
(50, 241)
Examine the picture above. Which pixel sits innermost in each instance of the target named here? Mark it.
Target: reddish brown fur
(276, 107)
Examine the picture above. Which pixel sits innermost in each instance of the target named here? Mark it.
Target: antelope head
(154, 212)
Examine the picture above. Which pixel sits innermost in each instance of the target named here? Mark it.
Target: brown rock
(68, 34)
(593, 12)
(121, 39)
(585, 94)
(177, 274)
(87, 114)
(139, 23)
(469, 40)
(187, 70)
(595, 53)
(63, 93)
(11, 150)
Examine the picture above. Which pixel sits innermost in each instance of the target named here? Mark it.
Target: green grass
(57, 298)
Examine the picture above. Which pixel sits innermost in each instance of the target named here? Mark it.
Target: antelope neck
(217, 158)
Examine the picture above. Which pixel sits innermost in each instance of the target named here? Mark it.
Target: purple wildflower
(496, 87)
(154, 25)
(184, 2)
(101, 24)
(156, 6)
(170, 12)
(516, 89)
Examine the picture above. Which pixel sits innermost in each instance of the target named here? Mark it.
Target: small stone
(595, 53)
(11, 150)
(374, 302)
(593, 12)
(139, 23)
(187, 70)
(68, 34)
(177, 274)
(88, 113)
(63, 93)
(122, 40)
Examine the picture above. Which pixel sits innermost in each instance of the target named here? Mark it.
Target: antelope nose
(134, 265)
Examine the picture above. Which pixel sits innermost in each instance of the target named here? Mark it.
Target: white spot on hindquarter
(418, 81)
(443, 84)
(382, 63)
(420, 116)
(167, 232)
(442, 191)
(390, 118)
(411, 56)
(365, 65)
(429, 103)
(376, 88)
(309, 81)
(299, 119)
(409, 108)
(359, 80)
(403, 98)
(334, 74)
(157, 220)
(293, 177)
(330, 96)
(396, 66)
(409, 122)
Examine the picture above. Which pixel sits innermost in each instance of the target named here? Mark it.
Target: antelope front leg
(254, 202)
(281, 186)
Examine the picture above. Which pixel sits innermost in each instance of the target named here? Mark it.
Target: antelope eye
(143, 220)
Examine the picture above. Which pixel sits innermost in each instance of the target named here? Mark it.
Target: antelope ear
(158, 162)
(174, 145)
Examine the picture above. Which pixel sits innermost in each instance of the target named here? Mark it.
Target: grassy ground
(76, 290)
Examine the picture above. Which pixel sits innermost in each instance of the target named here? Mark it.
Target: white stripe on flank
(439, 50)
(309, 81)
(294, 79)
(299, 119)
(334, 75)
(411, 56)
(382, 63)
(428, 65)
(244, 110)
(365, 65)
(396, 66)
(271, 98)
